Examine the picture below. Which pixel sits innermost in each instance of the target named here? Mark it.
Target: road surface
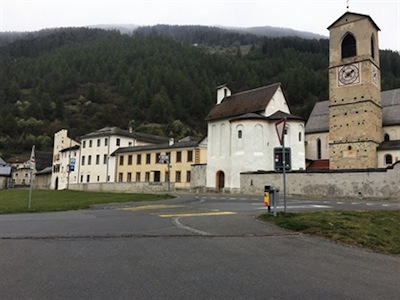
(192, 247)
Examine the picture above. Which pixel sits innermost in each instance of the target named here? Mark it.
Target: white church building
(242, 135)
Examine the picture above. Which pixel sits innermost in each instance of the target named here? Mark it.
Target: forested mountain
(85, 79)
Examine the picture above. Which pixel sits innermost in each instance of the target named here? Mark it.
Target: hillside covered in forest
(158, 80)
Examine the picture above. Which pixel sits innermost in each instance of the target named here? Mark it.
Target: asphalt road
(192, 247)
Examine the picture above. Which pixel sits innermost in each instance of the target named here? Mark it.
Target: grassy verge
(16, 201)
(377, 230)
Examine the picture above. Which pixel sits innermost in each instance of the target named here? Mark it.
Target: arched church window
(349, 47)
(388, 159)
(372, 47)
(319, 149)
(387, 137)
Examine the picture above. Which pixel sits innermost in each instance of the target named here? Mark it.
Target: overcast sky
(308, 15)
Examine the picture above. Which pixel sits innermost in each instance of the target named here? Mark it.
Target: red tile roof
(321, 164)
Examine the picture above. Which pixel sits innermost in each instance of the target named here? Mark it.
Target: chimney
(171, 141)
(222, 92)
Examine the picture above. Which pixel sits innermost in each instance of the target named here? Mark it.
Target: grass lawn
(378, 230)
(16, 201)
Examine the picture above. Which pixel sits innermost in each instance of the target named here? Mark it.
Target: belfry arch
(349, 46)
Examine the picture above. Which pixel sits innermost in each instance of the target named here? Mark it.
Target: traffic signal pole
(284, 170)
(280, 127)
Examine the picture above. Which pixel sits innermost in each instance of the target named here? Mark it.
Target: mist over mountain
(263, 31)
(270, 31)
(172, 30)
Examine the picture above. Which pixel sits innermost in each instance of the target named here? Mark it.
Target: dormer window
(349, 47)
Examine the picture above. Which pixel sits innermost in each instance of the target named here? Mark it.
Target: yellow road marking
(220, 213)
(149, 207)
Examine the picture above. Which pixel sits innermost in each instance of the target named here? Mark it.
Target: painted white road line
(178, 224)
(204, 214)
(299, 206)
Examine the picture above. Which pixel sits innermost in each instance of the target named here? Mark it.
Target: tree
(160, 110)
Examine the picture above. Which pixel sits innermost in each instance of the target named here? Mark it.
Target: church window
(319, 149)
(388, 159)
(349, 47)
(240, 138)
(387, 138)
(372, 47)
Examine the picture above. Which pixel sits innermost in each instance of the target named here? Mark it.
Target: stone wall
(3, 182)
(124, 187)
(380, 184)
(198, 178)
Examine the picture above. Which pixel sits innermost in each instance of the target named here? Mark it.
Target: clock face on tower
(349, 74)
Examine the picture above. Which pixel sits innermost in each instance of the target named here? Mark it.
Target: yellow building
(154, 163)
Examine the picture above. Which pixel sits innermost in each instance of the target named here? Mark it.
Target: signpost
(280, 130)
(71, 168)
(32, 166)
(165, 159)
(72, 164)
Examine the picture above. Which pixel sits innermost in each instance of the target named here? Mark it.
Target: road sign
(72, 164)
(280, 129)
(164, 159)
(279, 160)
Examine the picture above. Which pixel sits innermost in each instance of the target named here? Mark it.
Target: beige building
(95, 161)
(359, 126)
(65, 159)
(21, 171)
(355, 110)
(21, 168)
(154, 163)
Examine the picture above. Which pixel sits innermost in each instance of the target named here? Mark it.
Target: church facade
(242, 135)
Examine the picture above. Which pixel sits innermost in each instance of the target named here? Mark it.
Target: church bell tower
(355, 111)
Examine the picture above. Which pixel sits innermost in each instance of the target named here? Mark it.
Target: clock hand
(349, 73)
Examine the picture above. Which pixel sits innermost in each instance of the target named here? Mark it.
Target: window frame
(190, 156)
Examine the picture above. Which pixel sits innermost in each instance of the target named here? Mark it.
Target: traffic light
(278, 159)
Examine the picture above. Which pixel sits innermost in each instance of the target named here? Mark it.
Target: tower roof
(354, 15)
